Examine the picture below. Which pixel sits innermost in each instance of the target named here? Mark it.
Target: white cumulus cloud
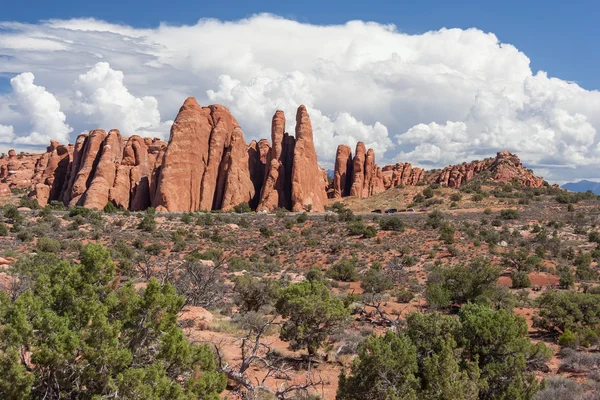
(7, 133)
(102, 97)
(43, 110)
(432, 98)
(255, 103)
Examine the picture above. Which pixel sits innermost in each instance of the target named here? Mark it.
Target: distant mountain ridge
(582, 186)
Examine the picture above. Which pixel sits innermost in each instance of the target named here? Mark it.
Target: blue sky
(512, 75)
(560, 37)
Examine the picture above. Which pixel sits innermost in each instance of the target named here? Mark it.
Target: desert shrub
(428, 193)
(509, 214)
(571, 198)
(438, 296)
(281, 212)
(3, 229)
(187, 218)
(358, 228)
(433, 202)
(201, 283)
(311, 314)
(566, 279)
(343, 212)
(477, 197)
(239, 264)
(435, 220)
(29, 203)
(344, 270)
(302, 218)
(122, 250)
(266, 232)
(48, 245)
(370, 232)
(447, 233)
(558, 388)
(148, 223)
(79, 210)
(204, 219)
(419, 198)
(56, 205)
(520, 279)
(484, 354)
(271, 248)
(252, 294)
(578, 361)
(289, 224)
(391, 224)
(567, 339)
(374, 281)
(574, 311)
(24, 235)
(594, 237)
(110, 208)
(12, 213)
(242, 208)
(455, 197)
(314, 275)
(404, 296)
(583, 270)
(154, 249)
(100, 340)
(462, 283)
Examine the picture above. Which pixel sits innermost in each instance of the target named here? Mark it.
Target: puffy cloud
(434, 98)
(255, 103)
(7, 133)
(42, 109)
(102, 97)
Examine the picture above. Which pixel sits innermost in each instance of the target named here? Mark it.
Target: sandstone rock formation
(293, 178)
(185, 160)
(207, 165)
(358, 170)
(96, 195)
(308, 190)
(401, 174)
(258, 156)
(53, 177)
(4, 189)
(274, 191)
(89, 160)
(342, 174)
(235, 184)
(507, 167)
(73, 168)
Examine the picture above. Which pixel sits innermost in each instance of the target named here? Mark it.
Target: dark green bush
(344, 270)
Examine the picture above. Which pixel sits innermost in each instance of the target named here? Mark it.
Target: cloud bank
(433, 99)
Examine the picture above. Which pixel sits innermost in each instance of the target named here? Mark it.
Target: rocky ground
(284, 246)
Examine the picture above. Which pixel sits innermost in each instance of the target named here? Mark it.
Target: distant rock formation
(207, 165)
(361, 177)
